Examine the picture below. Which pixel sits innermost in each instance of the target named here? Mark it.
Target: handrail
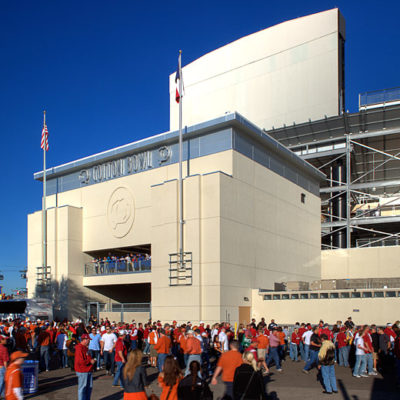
(117, 267)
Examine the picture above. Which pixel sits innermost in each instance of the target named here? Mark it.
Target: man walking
(163, 348)
(193, 348)
(83, 368)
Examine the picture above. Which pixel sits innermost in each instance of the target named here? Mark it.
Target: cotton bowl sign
(120, 212)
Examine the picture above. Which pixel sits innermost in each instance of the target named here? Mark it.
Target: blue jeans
(312, 361)
(2, 386)
(228, 389)
(133, 344)
(361, 363)
(45, 356)
(95, 354)
(274, 355)
(302, 351)
(117, 376)
(146, 347)
(328, 375)
(344, 356)
(306, 352)
(192, 357)
(370, 362)
(85, 385)
(160, 361)
(293, 351)
(109, 360)
(63, 358)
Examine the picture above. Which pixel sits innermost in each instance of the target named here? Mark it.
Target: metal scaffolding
(360, 156)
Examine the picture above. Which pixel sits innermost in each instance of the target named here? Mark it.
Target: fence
(117, 267)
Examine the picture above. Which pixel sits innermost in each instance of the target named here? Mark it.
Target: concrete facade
(287, 73)
(239, 226)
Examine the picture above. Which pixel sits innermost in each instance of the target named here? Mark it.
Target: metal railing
(375, 242)
(379, 97)
(130, 307)
(117, 267)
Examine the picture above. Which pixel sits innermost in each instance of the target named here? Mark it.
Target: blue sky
(101, 68)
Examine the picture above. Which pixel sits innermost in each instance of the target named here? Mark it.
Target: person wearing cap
(193, 348)
(84, 368)
(4, 359)
(14, 378)
(121, 353)
(163, 348)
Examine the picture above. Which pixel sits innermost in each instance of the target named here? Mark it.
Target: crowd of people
(188, 357)
(114, 263)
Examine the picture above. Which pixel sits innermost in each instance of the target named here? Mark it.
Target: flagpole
(44, 220)
(180, 163)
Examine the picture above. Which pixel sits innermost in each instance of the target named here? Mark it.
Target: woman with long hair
(134, 378)
(169, 379)
(192, 387)
(248, 382)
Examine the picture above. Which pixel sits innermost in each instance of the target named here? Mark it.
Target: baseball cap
(85, 336)
(18, 354)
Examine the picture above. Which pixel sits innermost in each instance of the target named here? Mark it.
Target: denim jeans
(370, 362)
(329, 378)
(44, 356)
(344, 356)
(274, 355)
(118, 373)
(160, 361)
(109, 360)
(302, 351)
(228, 389)
(146, 347)
(63, 358)
(192, 357)
(2, 375)
(85, 385)
(95, 354)
(293, 351)
(306, 352)
(133, 344)
(361, 363)
(312, 361)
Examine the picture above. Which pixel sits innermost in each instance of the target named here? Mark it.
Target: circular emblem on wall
(120, 212)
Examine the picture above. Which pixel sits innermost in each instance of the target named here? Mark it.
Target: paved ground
(290, 384)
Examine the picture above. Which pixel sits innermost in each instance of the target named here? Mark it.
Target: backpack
(71, 348)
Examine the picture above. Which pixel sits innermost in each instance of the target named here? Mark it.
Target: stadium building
(266, 139)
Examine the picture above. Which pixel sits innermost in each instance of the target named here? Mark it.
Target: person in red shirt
(294, 344)
(4, 359)
(84, 368)
(344, 349)
(121, 353)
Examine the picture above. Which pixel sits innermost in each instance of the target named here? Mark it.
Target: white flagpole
(180, 163)
(44, 223)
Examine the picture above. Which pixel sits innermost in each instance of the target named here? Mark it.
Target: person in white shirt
(107, 343)
(361, 360)
(223, 339)
(306, 338)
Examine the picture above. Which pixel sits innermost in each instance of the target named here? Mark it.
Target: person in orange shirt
(153, 338)
(262, 349)
(227, 364)
(281, 336)
(182, 345)
(193, 348)
(14, 379)
(169, 379)
(163, 348)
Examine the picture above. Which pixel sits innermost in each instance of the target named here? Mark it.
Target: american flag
(45, 138)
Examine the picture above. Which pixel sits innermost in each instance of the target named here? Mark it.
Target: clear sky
(100, 69)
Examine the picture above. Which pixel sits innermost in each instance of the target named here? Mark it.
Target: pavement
(291, 384)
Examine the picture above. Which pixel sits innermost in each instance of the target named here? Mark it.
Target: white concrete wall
(287, 73)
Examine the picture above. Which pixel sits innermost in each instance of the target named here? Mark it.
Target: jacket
(82, 359)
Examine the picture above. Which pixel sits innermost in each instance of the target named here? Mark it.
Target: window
(333, 295)
(323, 296)
(378, 294)
(345, 295)
(390, 294)
(285, 297)
(366, 295)
(294, 296)
(355, 295)
(303, 198)
(267, 297)
(277, 296)
(314, 296)
(304, 296)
